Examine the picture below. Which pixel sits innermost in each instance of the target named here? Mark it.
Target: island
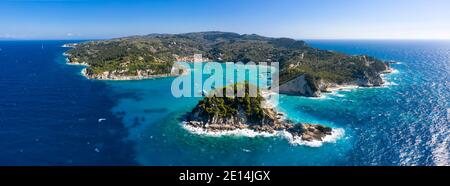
(304, 71)
(216, 114)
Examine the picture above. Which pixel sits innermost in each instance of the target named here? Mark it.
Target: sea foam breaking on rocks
(297, 140)
(294, 140)
(235, 132)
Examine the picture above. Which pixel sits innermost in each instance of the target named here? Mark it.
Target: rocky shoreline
(248, 114)
(335, 87)
(304, 131)
(300, 86)
(112, 76)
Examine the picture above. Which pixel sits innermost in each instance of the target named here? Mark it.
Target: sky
(300, 19)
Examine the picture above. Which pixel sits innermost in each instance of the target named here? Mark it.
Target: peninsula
(304, 71)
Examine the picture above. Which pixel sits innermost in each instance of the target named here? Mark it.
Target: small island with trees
(304, 71)
(218, 114)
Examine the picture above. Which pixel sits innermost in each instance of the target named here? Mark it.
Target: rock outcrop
(309, 86)
(310, 132)
(300, 86)
(216, 114)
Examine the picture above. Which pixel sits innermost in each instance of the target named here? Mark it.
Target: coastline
(117, 78)
(272, 123)
(125, 78)
(336, 134)
(348, 87)
(69, 45)
(358, 128)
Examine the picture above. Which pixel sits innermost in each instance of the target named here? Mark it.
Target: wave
(335, 94)
(439, 143)
(294, 140)
(236, 132)
(394, 71)
(388, 83)
(441, 155)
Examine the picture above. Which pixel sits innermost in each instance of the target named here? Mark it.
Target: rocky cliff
(312, 86)
(300, 86)
(216, 114)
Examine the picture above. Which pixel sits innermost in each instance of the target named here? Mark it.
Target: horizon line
(116, 36)
(305, 39)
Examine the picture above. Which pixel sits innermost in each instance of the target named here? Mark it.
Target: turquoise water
(49, 115)
(152, 115)
(403, 123)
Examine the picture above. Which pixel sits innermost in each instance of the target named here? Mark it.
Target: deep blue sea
(49, 115)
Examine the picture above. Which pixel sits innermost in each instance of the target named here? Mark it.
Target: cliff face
(310, 86)
(300, 86)
(371, 79)
(218, 114)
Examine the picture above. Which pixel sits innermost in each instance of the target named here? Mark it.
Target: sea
(52, 115)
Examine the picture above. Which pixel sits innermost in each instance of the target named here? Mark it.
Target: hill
(139, 57)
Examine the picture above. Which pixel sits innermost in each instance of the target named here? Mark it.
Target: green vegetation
(331, 66)
(156, 53)
(226, 107)
(122, 55)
